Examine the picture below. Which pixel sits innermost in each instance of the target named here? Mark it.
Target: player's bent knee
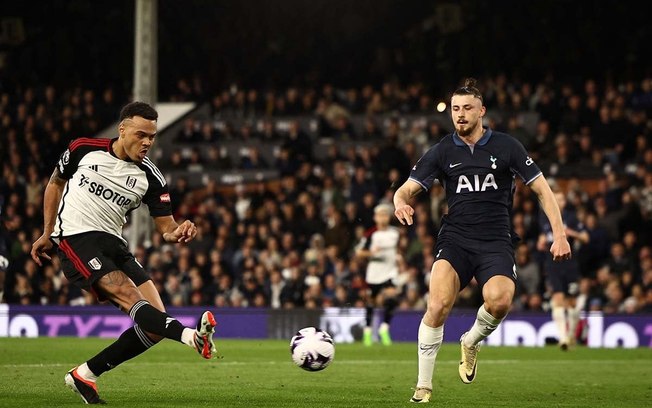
(499, 307)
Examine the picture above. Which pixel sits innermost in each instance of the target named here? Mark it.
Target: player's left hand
(560, 249)
(185, 232)
(40, 249)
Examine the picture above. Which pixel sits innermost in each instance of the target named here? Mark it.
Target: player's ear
(121, 128)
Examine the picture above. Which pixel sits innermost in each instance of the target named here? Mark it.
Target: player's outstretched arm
(173, 232)
(560, 248)
(51, 199)
(403, 210)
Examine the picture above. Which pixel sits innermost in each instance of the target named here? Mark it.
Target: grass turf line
(260, 373)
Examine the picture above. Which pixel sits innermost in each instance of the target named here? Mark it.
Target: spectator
(189, 133)
(297, 143)
(251, 159)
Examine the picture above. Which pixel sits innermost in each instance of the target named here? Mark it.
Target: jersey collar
(483, 140)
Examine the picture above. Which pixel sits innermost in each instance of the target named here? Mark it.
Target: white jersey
(102, 189)
(382, 265)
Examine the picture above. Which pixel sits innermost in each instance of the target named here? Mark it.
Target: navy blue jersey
(562, 276)
(479, 182)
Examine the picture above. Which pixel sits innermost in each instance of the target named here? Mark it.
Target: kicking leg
(497, 293)
(134, 341)
(130, 344)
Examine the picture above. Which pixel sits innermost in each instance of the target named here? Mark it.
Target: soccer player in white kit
(379, 248)
(95, 185)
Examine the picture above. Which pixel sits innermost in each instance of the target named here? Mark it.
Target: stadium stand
(282, 185)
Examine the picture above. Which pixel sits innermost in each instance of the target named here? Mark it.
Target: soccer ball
(312, 349)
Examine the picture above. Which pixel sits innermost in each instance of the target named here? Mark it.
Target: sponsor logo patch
(95, 264)
(83, 181)
(165, 198)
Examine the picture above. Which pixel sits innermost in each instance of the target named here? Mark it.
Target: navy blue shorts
(563, 276)
(478, 259)
(87, 257)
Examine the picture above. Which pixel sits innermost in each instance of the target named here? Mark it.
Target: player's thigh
(86, 258)
(444, 283)
(495, 271)
(119, 289)
(450, 255)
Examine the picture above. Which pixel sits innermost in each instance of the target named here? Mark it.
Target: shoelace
(470, 352)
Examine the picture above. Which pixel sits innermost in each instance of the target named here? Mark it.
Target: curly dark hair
(141, 109)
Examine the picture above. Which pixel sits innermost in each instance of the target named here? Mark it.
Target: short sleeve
(68, 162)
(522, 164)
(427, 168)
(157, 196)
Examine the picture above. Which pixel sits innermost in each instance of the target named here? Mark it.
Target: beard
(466, 129)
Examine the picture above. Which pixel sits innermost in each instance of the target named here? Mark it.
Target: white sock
(430, 339)
(559, 317)
(383, 327)
(188, 337)
(86, 373)
(484, 325)
(573, 319)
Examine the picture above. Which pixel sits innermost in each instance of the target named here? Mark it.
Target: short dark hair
(141, 109)
(469, 88)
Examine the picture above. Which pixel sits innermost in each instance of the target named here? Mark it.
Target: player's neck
(473, 138)
(119, 150)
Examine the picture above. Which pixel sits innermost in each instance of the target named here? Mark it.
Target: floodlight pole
(145, 90)
(146, 51)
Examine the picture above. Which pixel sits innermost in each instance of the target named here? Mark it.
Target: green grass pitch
(260, 373)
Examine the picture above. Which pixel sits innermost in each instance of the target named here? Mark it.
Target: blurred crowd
(289, 243)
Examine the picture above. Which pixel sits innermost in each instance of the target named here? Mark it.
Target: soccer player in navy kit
(477, 168)
(563, 277)
(95, 185)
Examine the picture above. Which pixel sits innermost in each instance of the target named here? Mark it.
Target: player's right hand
(560, 250)
(404, 214)
(40, 248)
